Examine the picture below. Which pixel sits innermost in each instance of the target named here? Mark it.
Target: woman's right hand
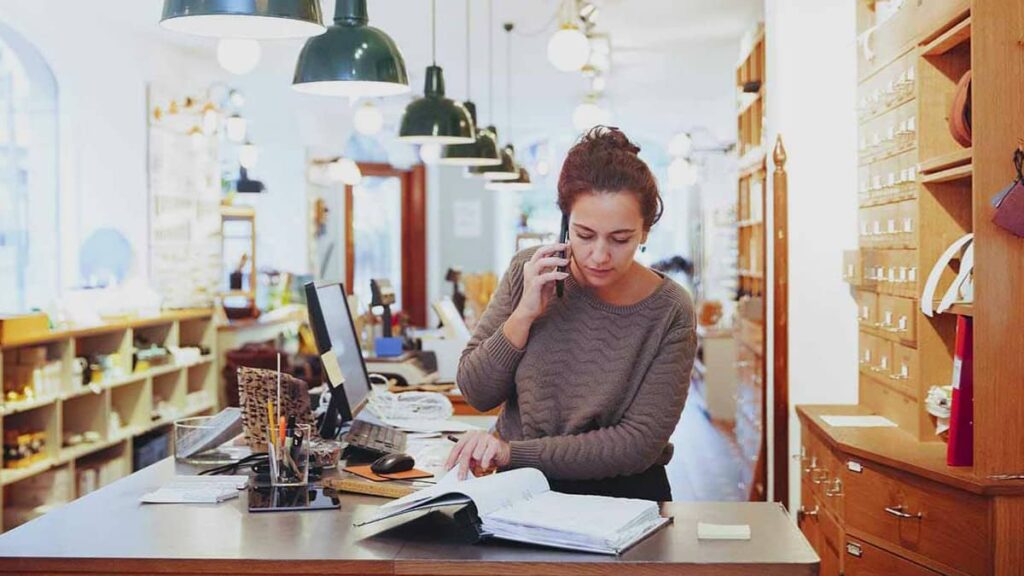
(539, 275)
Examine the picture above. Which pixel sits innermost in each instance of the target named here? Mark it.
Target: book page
(489, 493)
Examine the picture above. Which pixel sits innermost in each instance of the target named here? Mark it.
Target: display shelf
(76, 452)
(17, 407)
(939, 163)
(751, 274)
(749, 223)
(965, 172)
(949, 40)
(745, 106)
(10, 476)
(869, 159)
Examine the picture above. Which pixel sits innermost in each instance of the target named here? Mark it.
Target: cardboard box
(15, 328)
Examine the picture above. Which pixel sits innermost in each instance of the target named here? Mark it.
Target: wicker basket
(257, 387)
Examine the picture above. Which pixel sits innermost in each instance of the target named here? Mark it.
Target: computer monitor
(334, 331)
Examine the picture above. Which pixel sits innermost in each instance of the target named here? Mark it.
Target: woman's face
(605, 230)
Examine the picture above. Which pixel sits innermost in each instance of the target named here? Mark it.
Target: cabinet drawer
(904, 371)
(947, 525)
(897, 318)
(867, 355)
(867, 309)
(863, 559)
(906, 224)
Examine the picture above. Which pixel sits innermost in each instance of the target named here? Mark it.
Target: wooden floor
(706, 465)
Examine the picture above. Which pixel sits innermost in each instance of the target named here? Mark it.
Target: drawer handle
(819, 478)
(812, 466)
(898, 512)
(805, 512)
(836, 490)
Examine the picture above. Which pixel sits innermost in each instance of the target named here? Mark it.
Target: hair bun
(609, 137)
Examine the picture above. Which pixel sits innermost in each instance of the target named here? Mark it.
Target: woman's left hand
(479, 452)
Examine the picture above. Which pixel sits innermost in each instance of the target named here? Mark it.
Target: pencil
(270, 424)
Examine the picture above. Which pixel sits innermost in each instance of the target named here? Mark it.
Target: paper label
(854, 466)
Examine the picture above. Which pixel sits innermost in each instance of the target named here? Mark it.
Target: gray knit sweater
(598, 389)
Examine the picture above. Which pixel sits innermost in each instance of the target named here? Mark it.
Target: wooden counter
(109, 532)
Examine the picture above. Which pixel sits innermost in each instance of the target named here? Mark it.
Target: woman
(592, 384)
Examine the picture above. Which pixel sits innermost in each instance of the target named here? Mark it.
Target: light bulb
(237, 98)
(195, 135)
(211, 120)
(248, 155)
(680, 145)
(238, 55)
(587, 115)
(598, 84)
(568, 49)
(682, 173)
(430, 153)
(350, 172)
(368, 119)
(236, 126)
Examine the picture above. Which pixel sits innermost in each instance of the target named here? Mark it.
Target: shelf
(965, 309)
(237, 212)
(69, 454)
(16, 407)
(954, 174)
(749, 223)
(237, 293)
(958, 158)
(949, 40)
(85, 331)
(10, 476)
(751, 274)
(752, 163)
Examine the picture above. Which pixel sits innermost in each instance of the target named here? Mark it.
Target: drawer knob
(812, 466)
(898, 511)
(820, 475)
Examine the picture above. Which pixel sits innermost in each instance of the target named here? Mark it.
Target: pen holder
(289, 455)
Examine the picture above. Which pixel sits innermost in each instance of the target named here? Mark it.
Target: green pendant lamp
(434, 119)
(484, 151)
(507, 170)
(522, 182)
(351, 58)
(254, 19)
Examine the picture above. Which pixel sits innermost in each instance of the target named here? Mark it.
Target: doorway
(386, 235)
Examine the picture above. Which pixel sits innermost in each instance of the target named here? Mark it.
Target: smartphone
(288, 498)
(563, 237)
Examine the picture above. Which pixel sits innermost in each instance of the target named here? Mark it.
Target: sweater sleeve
(487, 367)
(637, 440)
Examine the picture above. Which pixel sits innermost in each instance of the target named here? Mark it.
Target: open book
(519, 505)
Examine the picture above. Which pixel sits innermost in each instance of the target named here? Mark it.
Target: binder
(960, 450)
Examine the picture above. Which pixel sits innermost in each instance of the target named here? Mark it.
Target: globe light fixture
(568, 49)
(682, 173)
(236, 128)
(238, 55)
(248, 155)
(589, 114)
(368, 119)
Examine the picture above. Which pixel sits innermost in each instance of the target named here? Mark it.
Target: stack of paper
(197, 490)
(576, 522)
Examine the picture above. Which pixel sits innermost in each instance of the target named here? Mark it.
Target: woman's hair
(605, 161)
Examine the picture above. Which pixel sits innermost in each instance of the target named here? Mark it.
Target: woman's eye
(585, 236)
(620, 240)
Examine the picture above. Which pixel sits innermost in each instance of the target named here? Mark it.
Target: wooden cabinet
(878, 501)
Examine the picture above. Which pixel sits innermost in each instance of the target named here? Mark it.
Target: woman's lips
(599, 271)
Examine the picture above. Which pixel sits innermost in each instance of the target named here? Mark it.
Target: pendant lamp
(434, 119)
(254, 19)
(351, 58)
(484, 151)
(522, 182)
(507, 170)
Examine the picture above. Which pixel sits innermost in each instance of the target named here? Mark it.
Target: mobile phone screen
(563, 237)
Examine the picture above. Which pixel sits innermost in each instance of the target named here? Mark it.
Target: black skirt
(651, 484)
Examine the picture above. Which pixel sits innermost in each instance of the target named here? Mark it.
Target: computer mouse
(392, 463)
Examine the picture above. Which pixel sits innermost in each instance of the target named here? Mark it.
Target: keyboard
(376, 439)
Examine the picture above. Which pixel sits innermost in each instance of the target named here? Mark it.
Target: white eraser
(707, 531)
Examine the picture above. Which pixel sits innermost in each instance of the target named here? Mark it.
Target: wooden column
(780, 319)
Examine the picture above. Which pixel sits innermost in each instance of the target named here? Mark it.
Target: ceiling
(671, 59)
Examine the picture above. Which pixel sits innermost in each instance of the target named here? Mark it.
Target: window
(29, 232)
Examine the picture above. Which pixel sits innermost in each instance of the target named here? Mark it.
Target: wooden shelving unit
(750, 226)
(884, 500)
(187, 388)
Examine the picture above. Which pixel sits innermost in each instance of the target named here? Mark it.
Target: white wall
(811, 90)
(102, 70)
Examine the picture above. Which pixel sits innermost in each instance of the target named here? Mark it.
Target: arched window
(29, 230)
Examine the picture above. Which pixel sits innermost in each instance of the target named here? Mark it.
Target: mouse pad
(364, 472)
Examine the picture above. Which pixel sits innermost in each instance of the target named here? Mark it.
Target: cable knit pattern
(598, 389)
